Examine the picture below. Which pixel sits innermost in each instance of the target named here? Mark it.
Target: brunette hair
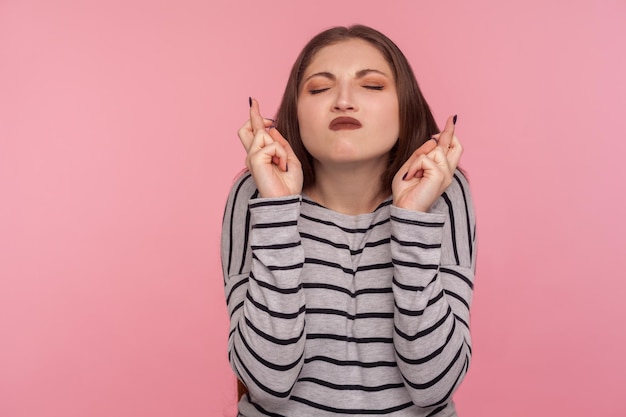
(417, 124)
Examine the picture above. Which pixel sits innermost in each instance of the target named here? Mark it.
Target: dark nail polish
(404, 176)
(250, 101)
(454, 120)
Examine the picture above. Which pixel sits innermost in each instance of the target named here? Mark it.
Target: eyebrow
(359, 74)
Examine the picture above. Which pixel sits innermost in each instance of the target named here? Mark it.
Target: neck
(349, 190)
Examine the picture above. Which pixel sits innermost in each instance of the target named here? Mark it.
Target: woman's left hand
(428, 171)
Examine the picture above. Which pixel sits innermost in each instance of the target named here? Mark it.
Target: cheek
(389, 112)
(306, 121)
(394, 116)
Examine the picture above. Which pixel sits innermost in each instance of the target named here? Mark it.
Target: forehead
(350, 56)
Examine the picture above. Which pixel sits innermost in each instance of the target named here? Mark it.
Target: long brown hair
(417, 124)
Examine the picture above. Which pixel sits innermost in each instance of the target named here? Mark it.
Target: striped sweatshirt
(334, 314)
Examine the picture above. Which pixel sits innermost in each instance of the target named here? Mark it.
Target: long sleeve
(434, 262)
(386, 297)
(262, 259)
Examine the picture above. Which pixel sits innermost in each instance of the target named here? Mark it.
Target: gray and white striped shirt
(332, 314)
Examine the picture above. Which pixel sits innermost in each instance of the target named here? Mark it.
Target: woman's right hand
(271, 161)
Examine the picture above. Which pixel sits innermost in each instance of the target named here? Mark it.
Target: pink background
(118, 145)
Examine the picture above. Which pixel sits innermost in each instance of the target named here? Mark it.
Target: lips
(344, 123)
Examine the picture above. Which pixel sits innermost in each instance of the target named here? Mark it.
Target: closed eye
(373, 87)
(318, 90)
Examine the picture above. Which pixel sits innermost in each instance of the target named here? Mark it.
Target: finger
(440, 158)
(423, 166)
(255, 117)
(445, 137)
(278, 137)
(260, 141)
(454, 154)
(426, 147)
(416, 168)
(273, 153)
(275, 134)
(246, 134)
(411, 168)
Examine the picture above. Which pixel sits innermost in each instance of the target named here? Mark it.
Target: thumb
(426, 148)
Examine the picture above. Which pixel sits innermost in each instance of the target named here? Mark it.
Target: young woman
(348, 245)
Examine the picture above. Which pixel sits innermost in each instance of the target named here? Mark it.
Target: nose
(344, 101)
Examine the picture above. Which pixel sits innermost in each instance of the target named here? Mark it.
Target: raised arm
(262, 259)
(434, 263)
(433, 251)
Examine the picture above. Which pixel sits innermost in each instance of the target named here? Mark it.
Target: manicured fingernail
(250, 101)
(454, 120)
(404, 176)
(273, 125)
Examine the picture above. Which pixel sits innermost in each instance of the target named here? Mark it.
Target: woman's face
(348, 106)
